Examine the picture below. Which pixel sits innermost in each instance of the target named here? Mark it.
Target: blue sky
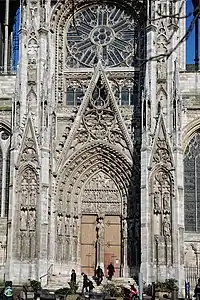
(190, 49)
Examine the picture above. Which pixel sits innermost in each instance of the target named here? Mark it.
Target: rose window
(101, 31)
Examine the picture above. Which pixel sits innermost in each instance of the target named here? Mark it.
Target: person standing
(197, 290)
(99, 275)
(111, 271)
(73, 281)
(85, 283)
(73, 277)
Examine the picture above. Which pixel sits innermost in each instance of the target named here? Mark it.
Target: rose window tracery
(101, 31)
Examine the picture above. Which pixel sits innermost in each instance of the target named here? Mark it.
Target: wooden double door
(110, 244)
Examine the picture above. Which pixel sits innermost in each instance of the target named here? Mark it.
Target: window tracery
(74, 95)
(192, 184)
(101, 32)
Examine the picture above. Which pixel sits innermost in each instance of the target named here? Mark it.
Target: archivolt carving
(96, 172)
(97, 151)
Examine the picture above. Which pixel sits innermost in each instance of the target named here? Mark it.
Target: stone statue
(23, 219)
(124, 228)
(59, 225)
(157, 200)
(32, 245)
(33, 187)
(100, 229)
(32, 71)
(24, 192)
(24, 248)
(75, 227)
(166, 227)
(166, 202)
(31, 220)
(161, 69)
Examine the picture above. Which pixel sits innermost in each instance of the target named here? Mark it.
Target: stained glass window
(192, 184)
(74, 96)
(101, 31)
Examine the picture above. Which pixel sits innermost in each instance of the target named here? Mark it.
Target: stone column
(6, 24)
(3, 193)
(125, 248)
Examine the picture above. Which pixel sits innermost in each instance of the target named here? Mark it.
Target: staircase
(56, 282)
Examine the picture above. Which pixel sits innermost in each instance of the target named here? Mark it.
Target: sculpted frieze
(107, 208)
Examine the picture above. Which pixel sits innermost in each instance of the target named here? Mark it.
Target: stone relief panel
(162, 217)
(28, 197)
(29, 152)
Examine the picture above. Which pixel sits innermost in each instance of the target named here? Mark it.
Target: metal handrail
(46, 273)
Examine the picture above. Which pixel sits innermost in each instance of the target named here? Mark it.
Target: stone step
(56, 282)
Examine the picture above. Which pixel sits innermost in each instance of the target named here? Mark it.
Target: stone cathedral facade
(100, 143)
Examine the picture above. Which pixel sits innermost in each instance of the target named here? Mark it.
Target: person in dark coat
(73, 277)
(197, 290)
(111, 271)
(85, 283)
(99, 275)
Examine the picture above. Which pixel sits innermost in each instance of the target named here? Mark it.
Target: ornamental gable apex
(29, 147)
(161, 150)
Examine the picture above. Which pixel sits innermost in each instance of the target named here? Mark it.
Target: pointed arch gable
(114, 110)
(161, 150)
(29, 151)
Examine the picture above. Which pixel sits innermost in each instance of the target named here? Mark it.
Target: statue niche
(162, 195)
(27, 226)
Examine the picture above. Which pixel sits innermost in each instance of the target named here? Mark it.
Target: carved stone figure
(33, 192)
(166, 201)
(75, 227)
(166, 227)
(157, 200)
(32, 71)
(125, 229)
(24, 248)
(32, 220)
(100, 229)
(60, 225)
(32, 245)
(59, 248)
(23, 220)
(24, 192)
(75, 246)
(161, 69)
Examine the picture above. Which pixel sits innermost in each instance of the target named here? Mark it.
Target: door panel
(88, 238)
(112, 250)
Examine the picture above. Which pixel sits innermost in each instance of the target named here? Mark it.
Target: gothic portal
(99, 142)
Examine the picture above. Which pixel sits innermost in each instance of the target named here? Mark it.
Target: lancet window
(192, 184)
